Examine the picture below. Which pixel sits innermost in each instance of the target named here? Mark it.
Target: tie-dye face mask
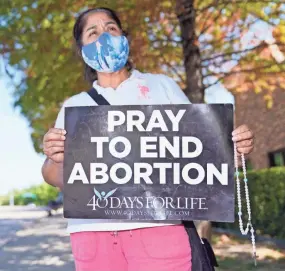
(106, 54)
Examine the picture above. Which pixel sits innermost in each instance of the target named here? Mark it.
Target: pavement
(31, 241)
(15, 218)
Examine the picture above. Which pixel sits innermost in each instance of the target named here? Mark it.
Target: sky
(20, 165)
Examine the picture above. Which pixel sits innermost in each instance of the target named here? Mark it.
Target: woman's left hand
(244, 139)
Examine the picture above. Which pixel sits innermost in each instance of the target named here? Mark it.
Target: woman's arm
(52, 169)
(53, 147)
(53, 173)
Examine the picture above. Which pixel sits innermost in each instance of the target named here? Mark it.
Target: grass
(235, 255)
(234, 264)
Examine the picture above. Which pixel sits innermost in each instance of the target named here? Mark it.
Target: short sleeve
(59, 123)
(175, 94)
(80, 99)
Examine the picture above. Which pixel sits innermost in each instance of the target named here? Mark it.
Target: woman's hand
(54, 144)
(244, 139)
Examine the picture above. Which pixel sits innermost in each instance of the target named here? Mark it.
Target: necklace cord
(249, 226)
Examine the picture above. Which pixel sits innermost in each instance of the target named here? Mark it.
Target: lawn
(235, 254)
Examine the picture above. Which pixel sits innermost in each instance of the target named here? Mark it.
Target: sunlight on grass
(234, 254)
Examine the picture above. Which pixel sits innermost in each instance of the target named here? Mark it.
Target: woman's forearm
(53, 173)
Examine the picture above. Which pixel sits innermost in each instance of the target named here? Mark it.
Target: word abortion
(143, 171)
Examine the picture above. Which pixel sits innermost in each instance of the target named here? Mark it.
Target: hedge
(44, 193)
(267, 195)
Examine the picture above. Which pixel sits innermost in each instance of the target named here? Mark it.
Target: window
(277, 158)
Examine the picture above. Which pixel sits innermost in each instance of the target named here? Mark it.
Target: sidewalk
(15, 218)
(43, 246)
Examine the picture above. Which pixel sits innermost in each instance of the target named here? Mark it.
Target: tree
(210, 34)
(213, 36)
(186, 15)
(43, 194)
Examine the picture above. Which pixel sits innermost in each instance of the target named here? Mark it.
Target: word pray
(136, 119)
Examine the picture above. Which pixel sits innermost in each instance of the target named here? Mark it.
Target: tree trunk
(186, 15)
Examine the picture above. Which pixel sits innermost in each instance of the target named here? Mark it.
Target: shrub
(267, 195)
(44, 193)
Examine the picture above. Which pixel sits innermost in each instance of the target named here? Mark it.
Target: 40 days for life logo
(104, 200)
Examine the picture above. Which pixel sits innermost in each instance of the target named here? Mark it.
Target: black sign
(156, 162)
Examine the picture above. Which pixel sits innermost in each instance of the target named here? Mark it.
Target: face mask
(107, 54)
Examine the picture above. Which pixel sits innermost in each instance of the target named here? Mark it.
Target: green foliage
(267, 194)
(36, 38)
(44, 193)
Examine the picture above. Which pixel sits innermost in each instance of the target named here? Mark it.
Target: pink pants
(163, 248)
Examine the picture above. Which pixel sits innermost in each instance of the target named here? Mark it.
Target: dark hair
(91, 74)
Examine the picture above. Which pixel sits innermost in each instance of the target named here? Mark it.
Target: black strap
(98, 98)
(203, 258)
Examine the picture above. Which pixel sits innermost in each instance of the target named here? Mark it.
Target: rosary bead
(249, 225)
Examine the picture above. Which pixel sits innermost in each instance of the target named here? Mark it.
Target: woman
(120, 245)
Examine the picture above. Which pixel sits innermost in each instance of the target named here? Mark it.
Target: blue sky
(20, 165)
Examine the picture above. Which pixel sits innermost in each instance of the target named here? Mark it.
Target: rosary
(249, 226)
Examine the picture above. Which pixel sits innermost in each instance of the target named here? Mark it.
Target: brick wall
(268, 125)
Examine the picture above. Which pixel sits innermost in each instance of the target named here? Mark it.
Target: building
(268, 126)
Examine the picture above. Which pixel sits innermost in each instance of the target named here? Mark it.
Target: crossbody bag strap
(98, 98)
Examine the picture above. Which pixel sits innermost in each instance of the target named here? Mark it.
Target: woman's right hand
(53, 144)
